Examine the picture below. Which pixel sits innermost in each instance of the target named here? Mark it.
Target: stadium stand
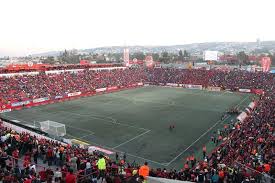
(22, 88)
(245, 155)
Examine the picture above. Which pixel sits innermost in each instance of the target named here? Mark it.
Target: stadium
(184, 123)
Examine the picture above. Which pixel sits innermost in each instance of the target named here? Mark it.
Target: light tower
(258, 42)
(126, 57)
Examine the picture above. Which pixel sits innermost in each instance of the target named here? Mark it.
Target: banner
(133, 85)
(245, 90)
(252, 105)
(46, 100)
(5, 110)
(140, 84)
(40, 100)
(58, 97)
(8, 75)
(112, 88)
(248, 110)
(213, 88)
(189, 86)
(266, 62)
(16, 104)
(242, 117)
(54, 72)
(73, 94)
(172, 84)
(100, 90)
(91, 149)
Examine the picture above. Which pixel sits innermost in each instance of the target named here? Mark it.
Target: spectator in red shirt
(70, 177)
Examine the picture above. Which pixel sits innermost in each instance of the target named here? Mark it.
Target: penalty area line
(193, 143)
(131, 139)
(128, 154)
(86, 135)
(209, 129)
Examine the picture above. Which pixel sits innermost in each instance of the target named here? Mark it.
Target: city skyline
(30, 27)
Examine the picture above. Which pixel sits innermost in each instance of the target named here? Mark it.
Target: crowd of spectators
(26, 158)
(179, 76)
(20, 88)
(247, 149)
(246, 152)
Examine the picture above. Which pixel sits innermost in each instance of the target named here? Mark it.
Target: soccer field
(136, 121)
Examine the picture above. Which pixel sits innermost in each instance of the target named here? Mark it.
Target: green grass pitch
(136, 121)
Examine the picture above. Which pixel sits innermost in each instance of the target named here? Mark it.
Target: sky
(35, 26)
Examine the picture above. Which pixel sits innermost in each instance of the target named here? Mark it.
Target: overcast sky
(34, 26)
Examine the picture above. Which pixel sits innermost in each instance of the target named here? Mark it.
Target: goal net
(53, 128)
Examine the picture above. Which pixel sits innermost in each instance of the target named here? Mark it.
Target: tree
(242, 58)
(164, 54)
(155, 56)
(185, 54)
(181, 55)
(199, 60)
(118, 57)
(138, 55)
(273, 59)
(49, 60)
(69, 57)
(164, 57)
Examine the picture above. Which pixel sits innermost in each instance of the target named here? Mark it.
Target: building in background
(210, 55)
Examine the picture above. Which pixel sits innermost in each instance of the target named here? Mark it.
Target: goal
(53, 128)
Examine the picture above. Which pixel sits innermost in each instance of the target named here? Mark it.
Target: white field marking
(29, 122)
(85, 130)
(134, 99)
(163, 164)
(131, 139)
(209, 129)
(171, 102)
(211, 93)
(146, 159)
(100, 117)
(86, 135)
(104, 146)
(108, 103)
(82, 129)
(221, 93)
(112, 120)
(110, 114)
(128, 154)
(242, 101)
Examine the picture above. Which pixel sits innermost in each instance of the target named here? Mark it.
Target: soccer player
(204, 151)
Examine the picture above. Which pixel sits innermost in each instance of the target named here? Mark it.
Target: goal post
(53, 128)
